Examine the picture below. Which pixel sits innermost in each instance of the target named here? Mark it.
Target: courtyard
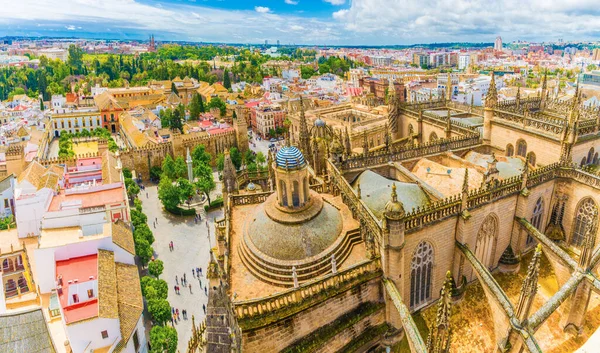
(192, 242)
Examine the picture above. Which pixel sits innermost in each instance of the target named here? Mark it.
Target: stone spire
(472, 102)
(518, 97)
(440, 333)
(394, 209)
(570, 129)
(304, 135)
(394, 110)
(347, 144)
(387, 137)
(365, 143)
(491, 98)
(529, 287)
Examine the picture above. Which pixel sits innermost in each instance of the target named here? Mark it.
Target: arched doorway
(486, 241)
(420, 275)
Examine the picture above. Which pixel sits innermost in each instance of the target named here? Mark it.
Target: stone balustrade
(262, 311)
(249, 199)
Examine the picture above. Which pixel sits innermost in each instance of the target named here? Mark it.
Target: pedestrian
(198, 271)
(200, 281)
(156, 219)
(176, 281)
(204, 308)
(172, 321)
(172, 310)
(205, 291)
(184, 277)
(200, 268)
(191, 289)
(175, 289)
(193, 273)
(146, 195)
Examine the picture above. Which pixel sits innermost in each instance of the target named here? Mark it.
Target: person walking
(205, 291)
(204, 308)
(191, 289)
(193, 273)
(176, 281)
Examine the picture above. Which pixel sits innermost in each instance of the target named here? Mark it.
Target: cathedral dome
(319, 122)
(289, 157)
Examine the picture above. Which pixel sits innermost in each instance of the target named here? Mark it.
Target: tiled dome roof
(289, 157)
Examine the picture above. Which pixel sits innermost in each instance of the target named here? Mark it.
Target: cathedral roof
(376, 189)
(289, 157)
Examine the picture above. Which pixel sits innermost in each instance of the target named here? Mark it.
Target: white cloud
(291, 2)
(336, 2)
(262, 9)
(360, 22)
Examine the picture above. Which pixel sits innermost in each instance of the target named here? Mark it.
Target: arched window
(295, 194)
(536, 219)
(486, 241)
(595, 161)
(433, 137)
(306, 189)
(282, 186)
(510, 150)
(583, 162)
(411, 129)
(590, 156)
(584, 217)
(420, 275)
(531, 158)
(522, 148)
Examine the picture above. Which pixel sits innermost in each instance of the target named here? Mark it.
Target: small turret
(394, 209)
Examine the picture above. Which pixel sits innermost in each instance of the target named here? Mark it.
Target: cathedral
(338, 248)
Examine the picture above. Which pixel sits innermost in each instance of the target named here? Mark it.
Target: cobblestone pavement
(191, 243)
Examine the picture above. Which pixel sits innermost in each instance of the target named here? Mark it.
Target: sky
(312, 22)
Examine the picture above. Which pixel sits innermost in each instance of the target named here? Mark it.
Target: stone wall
(546, 149)
(277, 336)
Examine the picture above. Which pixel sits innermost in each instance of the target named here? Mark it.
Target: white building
(7, 196)
(498, 44)
(290, 74)
(54, 53)
(464, 60)
(75, 120)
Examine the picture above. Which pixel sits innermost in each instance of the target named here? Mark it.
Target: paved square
(191, 243)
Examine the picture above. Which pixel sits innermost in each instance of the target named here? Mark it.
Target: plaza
(192, 244)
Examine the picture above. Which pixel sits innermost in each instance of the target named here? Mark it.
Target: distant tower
(152, 43)
(266, 42)
(498, 44)
(277, 42)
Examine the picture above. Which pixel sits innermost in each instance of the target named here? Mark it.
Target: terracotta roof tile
(130, 301)
(123, 237)
(110, 174)
(107, 285)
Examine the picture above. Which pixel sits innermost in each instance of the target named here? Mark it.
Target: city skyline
(330, 22)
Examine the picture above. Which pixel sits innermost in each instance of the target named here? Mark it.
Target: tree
(168, 167)
(196, 106)
(226, 79)
(42, 104)
(143, 249)
(177, 118)
(174, 88)
(217, 102)
(75, 59)
(155, 268)
(143, 231)
(155, 173)
(127, 173)
(186, 189)
(160, 309)
(236, 157)
(205, 182)
(163, 339)
(180, 168)
(138, 218)
(168, 194)
(260, 160)
(166, 116)
(132, 188)
(200, 156)
(249, 157)
(220, 162)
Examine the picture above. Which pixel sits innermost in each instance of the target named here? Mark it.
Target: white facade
(75, 121)
(464, 60)
(30, 208)
(86, 336)
(58, 102)
(290, 74)
(498, 44)
(7, 197)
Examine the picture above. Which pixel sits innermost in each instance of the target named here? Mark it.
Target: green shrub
(214, 204)
(178, 211)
